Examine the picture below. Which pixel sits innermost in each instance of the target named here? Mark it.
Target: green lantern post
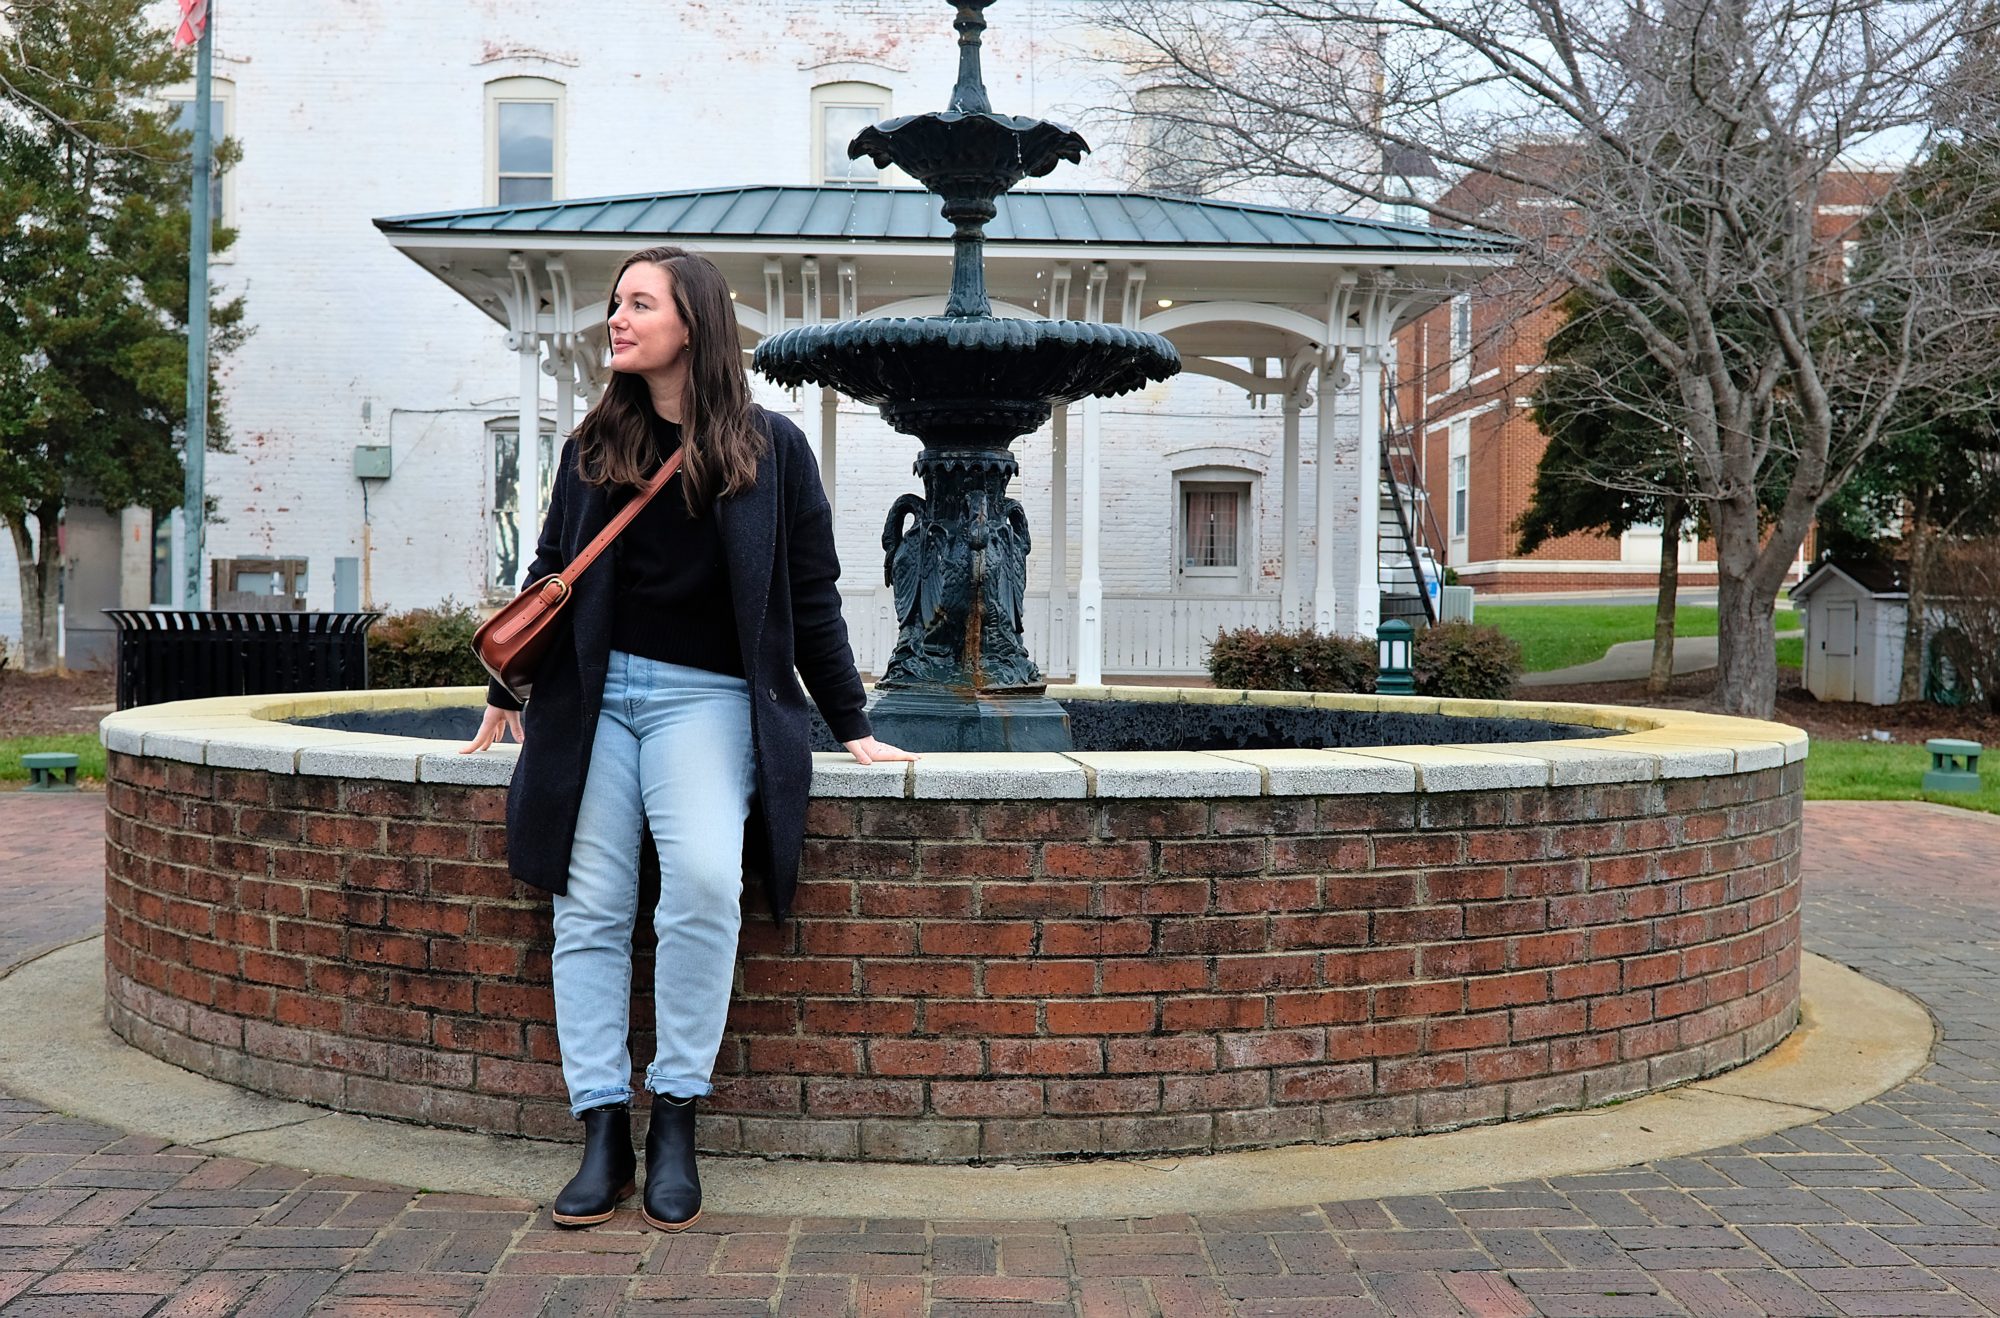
(1396, 674)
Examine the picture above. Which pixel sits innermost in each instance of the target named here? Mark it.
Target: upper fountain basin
(967, 378)
(975, 153)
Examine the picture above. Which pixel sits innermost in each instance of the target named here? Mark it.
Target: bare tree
(1676, 161)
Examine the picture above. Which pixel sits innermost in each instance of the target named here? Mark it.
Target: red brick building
(1466, 374)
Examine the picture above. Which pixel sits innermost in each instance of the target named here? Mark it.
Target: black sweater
(778, 539)
(672, 580)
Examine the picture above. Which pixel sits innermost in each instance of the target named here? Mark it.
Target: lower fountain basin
(1002, 957)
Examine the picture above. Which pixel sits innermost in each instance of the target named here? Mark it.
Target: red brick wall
(993, 979)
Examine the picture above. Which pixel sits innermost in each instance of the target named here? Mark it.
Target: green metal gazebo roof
(863, 213)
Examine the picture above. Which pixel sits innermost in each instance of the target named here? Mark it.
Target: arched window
(839, 111)
(221, 122)
(1461, 340)
(503, 499)
(524, 137)
(1214, 547)
(1167, 153)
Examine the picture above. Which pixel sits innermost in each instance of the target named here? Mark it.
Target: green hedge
(425, 647)
(1291, 661)
(1459, 660)
(1467, 661)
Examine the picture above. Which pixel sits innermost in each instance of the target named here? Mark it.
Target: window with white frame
(1461, 341)
(1404, 208)
(221, 103)
(1167, 146)
(840, 110)
(1212, 550)
(524, 136)
(1460, 467)
(504, 561)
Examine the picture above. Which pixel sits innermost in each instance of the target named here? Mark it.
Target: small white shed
(1856, 615)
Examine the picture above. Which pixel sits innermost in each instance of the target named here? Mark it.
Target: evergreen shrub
(1466, 661)
(425, 647)
(1458, 660)
(1291, 661)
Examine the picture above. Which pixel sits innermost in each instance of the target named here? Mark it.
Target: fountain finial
(969, 96)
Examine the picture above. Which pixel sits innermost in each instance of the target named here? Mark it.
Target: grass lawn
(1559, 635)
(89, 755)
(1792, 652)
(1869, 771)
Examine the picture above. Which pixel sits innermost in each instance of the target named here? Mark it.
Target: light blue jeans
(673, 751)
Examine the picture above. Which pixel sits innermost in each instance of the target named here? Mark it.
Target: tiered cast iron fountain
(967, 384)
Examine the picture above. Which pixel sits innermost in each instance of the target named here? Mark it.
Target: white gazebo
(1281, 304)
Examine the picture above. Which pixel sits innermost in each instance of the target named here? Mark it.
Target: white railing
(1169, 635)
(1144, 635)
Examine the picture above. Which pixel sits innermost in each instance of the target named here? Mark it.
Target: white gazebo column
(565, 357)
(1326, 457)
(847, 303)
(829, 445)
(565, 363)
(1366, 580)
(1290, 574)
(812, 411)
(528, 466)
(523, 308)
(1090, 579)
(1058, 551)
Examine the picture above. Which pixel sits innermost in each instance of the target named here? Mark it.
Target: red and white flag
(194, 17)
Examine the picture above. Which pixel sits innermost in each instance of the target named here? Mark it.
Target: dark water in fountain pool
(1118, 725)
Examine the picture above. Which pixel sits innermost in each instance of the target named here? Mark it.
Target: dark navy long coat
(777, 539)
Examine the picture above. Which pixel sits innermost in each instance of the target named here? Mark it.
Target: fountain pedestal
(948, 721)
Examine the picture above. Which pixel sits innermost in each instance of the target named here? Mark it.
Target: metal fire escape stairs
(1405, 523)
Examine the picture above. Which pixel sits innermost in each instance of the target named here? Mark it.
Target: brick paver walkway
(1891, 1208)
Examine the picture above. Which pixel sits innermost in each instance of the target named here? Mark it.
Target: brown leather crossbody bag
(513, 642)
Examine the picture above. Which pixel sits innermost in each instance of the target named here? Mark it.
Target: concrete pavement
(1891, 1207)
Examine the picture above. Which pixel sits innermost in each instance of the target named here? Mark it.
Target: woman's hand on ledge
(867, 750)
(492, 726)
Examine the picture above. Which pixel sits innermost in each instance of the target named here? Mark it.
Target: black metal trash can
(178, 654)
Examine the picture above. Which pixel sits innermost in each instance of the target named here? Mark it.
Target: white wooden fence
(1144, 635)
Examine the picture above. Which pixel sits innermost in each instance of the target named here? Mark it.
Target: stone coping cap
(250, 732)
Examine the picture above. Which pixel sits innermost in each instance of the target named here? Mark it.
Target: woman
(674, 712)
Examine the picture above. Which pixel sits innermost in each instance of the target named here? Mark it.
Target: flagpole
(199, 225)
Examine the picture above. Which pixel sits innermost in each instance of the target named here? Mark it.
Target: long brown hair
(719, 432)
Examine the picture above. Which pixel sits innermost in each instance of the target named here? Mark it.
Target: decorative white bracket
(847, 287)
(523, 303)
(1135, 295)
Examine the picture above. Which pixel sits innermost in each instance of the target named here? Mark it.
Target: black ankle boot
(673, 1190)
(605, 1178)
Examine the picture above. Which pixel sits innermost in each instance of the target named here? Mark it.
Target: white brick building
(351, 112)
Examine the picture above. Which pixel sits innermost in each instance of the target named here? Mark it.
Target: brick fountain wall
(993, 979)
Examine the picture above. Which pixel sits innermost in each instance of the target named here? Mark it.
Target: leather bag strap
(574, 568)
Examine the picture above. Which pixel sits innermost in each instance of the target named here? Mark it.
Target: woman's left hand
(867, 750)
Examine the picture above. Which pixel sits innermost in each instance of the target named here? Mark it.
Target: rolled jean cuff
(600, 1098)
(677, 1086)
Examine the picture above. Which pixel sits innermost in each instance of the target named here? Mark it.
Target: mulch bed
(43, 704)
(1908, 724)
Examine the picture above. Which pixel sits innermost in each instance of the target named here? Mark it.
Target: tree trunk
(40, 566)
(1662, 677)
(1915, 628)
(1746, 653)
